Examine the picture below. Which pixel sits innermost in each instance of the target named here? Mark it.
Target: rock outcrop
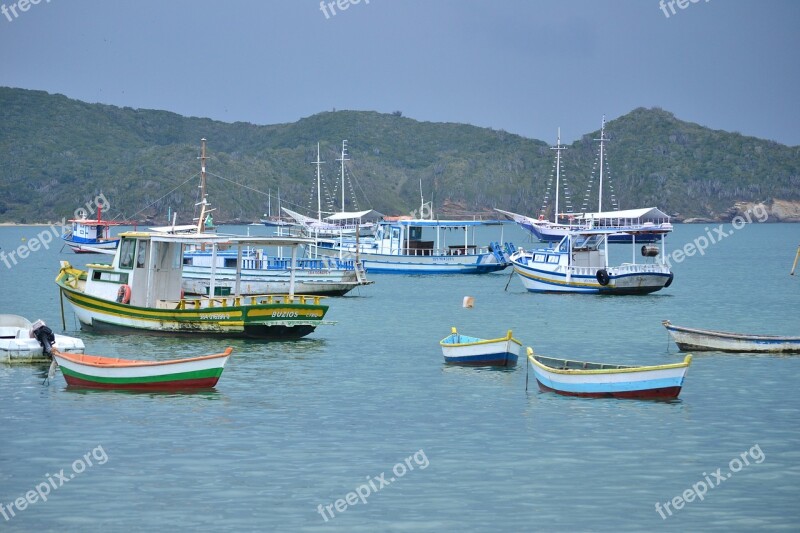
(776, 210)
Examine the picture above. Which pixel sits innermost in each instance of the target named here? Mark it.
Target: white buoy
(469, 302)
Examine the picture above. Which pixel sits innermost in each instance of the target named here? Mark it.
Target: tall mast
(421, 201)
(602, 140)
(319, 187)
(343, 159)
(202, 222)
(558, 149)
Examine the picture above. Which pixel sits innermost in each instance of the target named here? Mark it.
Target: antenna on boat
(558, 149)
(343, 159)
(319, 185)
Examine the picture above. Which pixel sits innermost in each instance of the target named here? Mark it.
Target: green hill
(59, 153)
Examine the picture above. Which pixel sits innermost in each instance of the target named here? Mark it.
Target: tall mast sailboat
(644, 225)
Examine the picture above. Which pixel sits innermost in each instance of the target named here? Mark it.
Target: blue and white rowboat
(463, 350)
(599, 380)
(722, 341)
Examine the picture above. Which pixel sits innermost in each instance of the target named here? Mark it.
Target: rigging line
(283, 201)
(358, 184)
(187, 180)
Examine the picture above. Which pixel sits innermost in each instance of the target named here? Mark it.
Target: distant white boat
(342, 222)
(91, 236)
(263, 274)
(398, 248)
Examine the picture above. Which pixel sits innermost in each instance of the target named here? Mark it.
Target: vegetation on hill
(60, 153)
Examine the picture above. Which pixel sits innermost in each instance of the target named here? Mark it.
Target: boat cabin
(147, 267)
(405, 237)
(89, 231)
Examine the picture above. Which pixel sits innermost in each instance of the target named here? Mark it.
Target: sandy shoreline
(34, 225)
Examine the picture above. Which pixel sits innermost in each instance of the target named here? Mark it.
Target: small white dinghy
(19, 343)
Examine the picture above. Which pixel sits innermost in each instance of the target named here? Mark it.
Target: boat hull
(17, 346)
(422, 264)
(107, 373)
(551, 233)
(470, 351)
(30, 351)
(662, 382)
(644, 279)
(321, 282)
(89, 246)
(721, 341)
(276, 318)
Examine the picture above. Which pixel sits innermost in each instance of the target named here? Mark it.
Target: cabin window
(230, 262)
(552, 259)
(140, 257)
(396, 233)
(415, 234)
(126, 249)
(538, 258)
(111, 277)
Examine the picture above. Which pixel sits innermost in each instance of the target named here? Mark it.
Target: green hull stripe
(238, 315)
(178, 376)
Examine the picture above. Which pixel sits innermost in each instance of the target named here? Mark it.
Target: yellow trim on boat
(557, 282)
(454, 331)
(110, 307)
(686, 362)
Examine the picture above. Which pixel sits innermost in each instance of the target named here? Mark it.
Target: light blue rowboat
(601, 380)
(463, 350)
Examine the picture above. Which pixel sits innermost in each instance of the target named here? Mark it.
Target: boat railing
(222, 302)
(470, 249)
(628, 268)
(625, 268)
(323, 263)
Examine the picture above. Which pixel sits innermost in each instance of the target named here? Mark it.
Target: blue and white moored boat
(88, 236)
(398, 247)
(463, 350)
(580, 264)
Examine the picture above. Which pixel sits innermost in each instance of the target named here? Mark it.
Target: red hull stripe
(665, 393)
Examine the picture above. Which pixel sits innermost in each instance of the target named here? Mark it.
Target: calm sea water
(295, 425)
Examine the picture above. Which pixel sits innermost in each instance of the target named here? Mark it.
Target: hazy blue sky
(525, 66)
